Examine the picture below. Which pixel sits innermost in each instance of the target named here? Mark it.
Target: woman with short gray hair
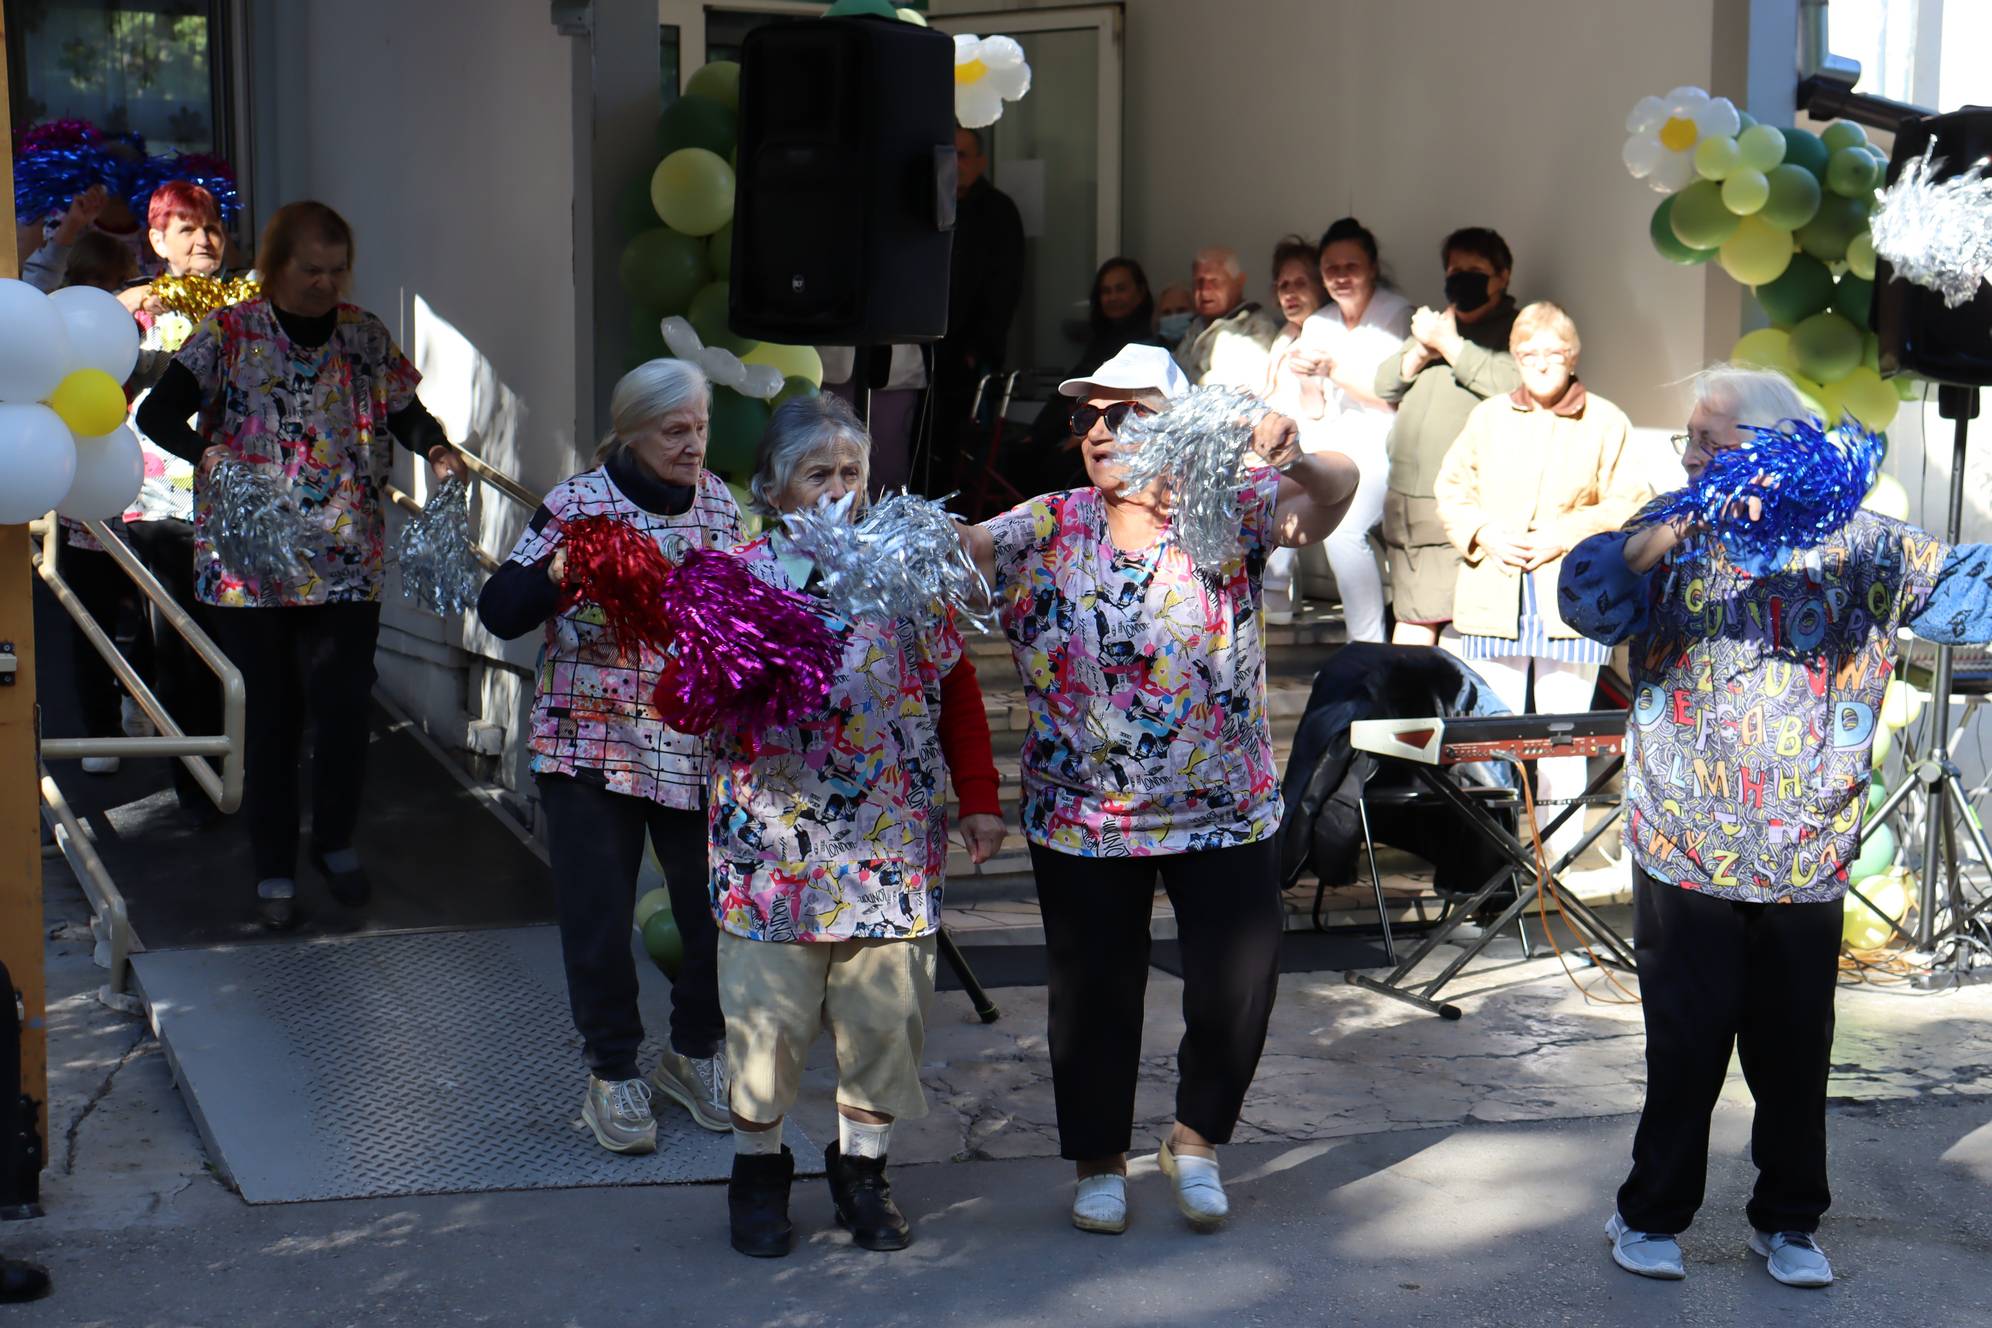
(609, 770)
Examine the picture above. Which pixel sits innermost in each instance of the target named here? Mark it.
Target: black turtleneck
(519, 597)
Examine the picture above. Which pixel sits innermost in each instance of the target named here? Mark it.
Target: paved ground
(1393, 1169)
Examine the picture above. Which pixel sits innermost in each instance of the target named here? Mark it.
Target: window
(150, 67)
(1924, 52)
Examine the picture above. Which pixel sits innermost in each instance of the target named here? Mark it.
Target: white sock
(857, 1139)
(765, 1143)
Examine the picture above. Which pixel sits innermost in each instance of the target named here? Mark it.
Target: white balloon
(1648, 113)
(722, 366)
(1718, 119)
(34, 346)
(965, 47)
(1001, 52)
(102, 332)
(681, 338)
(1010, 82)
(1685, 100)
(1642, 155)
(109, 471)
(763, 382)
(37, 459)
(977, 105)
(1674, 171)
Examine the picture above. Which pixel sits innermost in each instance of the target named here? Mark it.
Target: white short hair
(645, 395)
(1754, 398)
(1222, 257)
(798, 430)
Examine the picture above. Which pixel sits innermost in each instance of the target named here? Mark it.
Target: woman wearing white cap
(1148, 755)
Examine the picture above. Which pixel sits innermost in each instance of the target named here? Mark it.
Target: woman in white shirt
(1298, 291)
(1340, 347)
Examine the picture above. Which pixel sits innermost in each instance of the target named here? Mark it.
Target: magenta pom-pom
(745, 655)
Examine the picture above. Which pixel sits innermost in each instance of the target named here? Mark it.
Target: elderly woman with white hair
(1149, 755)
(609, 770)
(1753, 717)
(829, 847)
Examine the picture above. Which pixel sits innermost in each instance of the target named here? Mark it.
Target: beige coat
(1525, 468)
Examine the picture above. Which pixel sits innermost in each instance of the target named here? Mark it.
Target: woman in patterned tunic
(608, 768)
(1149, 754)
(829, 846)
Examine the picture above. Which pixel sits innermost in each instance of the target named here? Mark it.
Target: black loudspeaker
(1919, 333)
(843, 222)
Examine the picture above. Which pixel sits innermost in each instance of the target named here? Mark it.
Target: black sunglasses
(1085, 416)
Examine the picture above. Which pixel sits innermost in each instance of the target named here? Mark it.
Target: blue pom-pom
(1808, 481)
(45, 181)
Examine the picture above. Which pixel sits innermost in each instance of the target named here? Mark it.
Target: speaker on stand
(1921, 334)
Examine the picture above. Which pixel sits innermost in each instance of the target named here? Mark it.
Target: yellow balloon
(1868, 398)
(1900, 704)
(1757, 252)
(913, 16)
(1884, 743)
(1888, 498)
(90, 402)
(1766, 348)
(793, 361)
(1866, 929)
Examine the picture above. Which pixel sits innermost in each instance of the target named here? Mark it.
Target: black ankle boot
(863, 1197)
(757, 1202)
(20, 1282)
(351, 888)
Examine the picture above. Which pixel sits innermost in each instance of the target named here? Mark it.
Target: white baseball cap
(1136, 368)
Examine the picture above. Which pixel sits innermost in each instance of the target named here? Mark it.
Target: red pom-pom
(616, 566)
(745, 655)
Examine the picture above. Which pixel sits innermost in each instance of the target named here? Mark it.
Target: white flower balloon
(988, 72)
(34, 345)
(37, 460)
(109, 471)
(102, 333)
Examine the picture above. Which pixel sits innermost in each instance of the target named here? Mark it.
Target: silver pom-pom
(439, 568)
(255, 527)
(1197, 448)
(1937, 233)
(902, 559)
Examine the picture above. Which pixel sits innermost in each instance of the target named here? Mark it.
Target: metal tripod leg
(984, 1007)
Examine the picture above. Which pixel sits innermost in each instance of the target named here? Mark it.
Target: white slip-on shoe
(1793, 1257)
(1099, 1203)
(1648, 1253)
(1199, 1190)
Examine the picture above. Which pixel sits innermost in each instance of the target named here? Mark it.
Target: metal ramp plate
(387, 1065)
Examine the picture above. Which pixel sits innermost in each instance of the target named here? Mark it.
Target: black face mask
(1466, 291)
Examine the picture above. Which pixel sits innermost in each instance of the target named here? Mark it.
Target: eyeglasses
(1543, 357)
(1085, 416)
(1683, 441)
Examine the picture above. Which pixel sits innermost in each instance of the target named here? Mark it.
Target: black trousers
(319, 660)
(1716, 975)
(595, 840)
(189, 690)
(1096, 914)
(107, 593)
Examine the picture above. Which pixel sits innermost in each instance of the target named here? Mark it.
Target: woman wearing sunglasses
(1149, 755)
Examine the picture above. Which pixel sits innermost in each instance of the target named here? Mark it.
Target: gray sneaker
(1792, 1257)
(1648, 1253)
(618, 1111)
(699, 1085)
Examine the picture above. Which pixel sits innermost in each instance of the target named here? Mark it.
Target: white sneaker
(1792, 1257)
(699, 1085)
(619, 1114)
(1648, 1253)
(134, 720)
(1199, 1191)
(1099, 1203)
(101, 765)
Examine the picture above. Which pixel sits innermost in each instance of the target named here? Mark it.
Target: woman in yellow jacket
(1531, 474)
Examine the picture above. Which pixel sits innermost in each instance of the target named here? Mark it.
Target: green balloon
(719, 251)
(1852, 299)
(650, 903)
(1877, 794)
(1745, 192)
(662, 270)
(708, 315)
(1667, 244)
(695, 122)
(1804, 289)
(735, 433)
(1699, 218)
(1860, 256)
(1794, 196)
(802, 387)
(1871, 351)
(1843, 134)
(1852, 172)
(663, 944)
(1839, 220)
(1877, 854)
(693, 191)
(1826, 347)
(1715, 158)
(1761, 147)
(718, 80)
(1803, 148)
(1908, 387)
(646, 339)
(633, 214)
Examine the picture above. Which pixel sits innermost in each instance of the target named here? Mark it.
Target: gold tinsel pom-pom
(197, 297)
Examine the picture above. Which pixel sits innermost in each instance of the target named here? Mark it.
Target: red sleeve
(964, 727)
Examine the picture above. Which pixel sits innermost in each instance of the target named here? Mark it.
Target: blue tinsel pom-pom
(1808, 480)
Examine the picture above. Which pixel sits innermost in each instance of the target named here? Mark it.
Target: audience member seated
(1297, 288)
(1450, 363)
(1121, 311)
(1175, 310)
(1230, 340)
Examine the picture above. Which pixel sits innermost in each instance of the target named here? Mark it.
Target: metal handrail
(224, 789)
(497, 479)
(99, 889)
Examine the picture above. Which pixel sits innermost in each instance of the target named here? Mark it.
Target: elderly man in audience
(1231, 340)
